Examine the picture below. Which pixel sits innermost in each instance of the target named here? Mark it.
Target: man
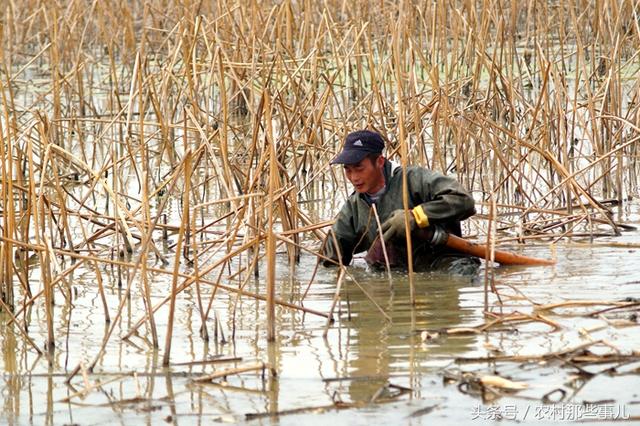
(437, 204)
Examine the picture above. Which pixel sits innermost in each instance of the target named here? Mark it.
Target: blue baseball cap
(357, 145)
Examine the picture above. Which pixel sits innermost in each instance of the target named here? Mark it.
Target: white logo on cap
(357, 143)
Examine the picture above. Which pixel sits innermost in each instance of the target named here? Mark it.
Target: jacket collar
(390, 170)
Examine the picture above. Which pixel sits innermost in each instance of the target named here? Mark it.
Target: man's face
(367, 175)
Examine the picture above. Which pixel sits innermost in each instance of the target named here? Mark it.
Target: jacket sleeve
(442, 198)
(345, 235)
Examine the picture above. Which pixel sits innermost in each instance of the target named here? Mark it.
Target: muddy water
(414, 377)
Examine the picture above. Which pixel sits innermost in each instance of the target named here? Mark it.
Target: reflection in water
(49, 416)
(11, 403)
(273, 389)
(360, 355)
(378, 350)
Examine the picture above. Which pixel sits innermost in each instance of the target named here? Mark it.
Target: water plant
(191, 140)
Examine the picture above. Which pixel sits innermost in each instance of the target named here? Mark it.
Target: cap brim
(349, 157)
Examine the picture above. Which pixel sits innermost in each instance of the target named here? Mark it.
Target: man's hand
(393, 227)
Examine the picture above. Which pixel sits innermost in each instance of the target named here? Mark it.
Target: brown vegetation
(126, 123)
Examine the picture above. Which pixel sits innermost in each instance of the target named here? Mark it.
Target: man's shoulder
(417, 171)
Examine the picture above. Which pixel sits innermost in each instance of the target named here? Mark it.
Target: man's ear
(380, 162)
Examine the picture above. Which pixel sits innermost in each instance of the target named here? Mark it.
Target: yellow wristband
(421, 217)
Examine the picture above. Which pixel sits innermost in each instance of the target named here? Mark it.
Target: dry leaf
(501, 382)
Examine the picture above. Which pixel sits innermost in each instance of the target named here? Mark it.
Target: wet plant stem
(176, 265)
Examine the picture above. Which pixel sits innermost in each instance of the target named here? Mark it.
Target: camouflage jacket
(443, 199)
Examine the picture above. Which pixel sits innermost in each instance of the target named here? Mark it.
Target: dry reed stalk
(489, 277)
(578, 303)
(382, 243)
(539, 101)
(190, 279)
(398, 65)
(119, 209)
(8, 219)
(368, 296)
(31, 196)
(107, 318)
(48, 294)
(22, 331)
(28, 301)
(145, 207)
(251, 266)
(135, 267)
(90, 387)
(223, 141)
(336, 296)
(66, 238)
(176, 265)
(45, 255)
(233, 371)
(123, 300)
(270, 237)
(204, 333)
(21, 262)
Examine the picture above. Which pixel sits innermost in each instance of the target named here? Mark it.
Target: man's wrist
(420, 216)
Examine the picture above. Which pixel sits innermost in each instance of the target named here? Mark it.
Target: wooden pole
(500, 256)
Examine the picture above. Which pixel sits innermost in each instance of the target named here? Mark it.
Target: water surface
(411, 377)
